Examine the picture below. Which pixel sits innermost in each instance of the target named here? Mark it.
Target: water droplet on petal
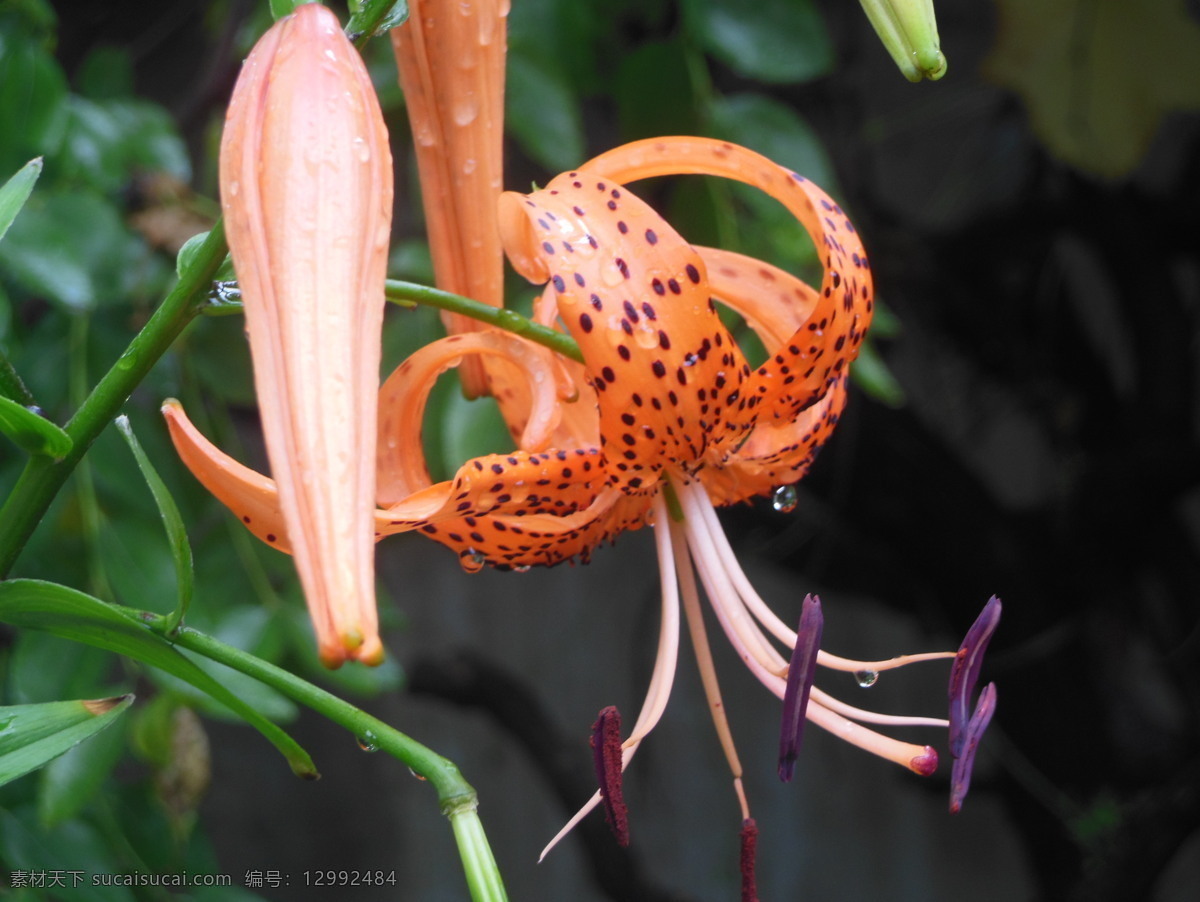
(784, 499)
(866, 678)
(362, 149)
(466, 111)
(471, 560)
(521, 568)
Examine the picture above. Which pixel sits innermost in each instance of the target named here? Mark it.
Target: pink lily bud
(306, 188)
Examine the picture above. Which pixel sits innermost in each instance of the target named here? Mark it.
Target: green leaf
(32, 735)
(181, 549)
(16, 191)
(33, 101)
(71, 247)
(65, 612)
(106, 73)
(1129, 66)
(70, 781)
(375, 17)
(780, 41)
(88, 850)
(32, 431)
(281, 8)
(874, 377)
(108, 141)
(654, 92)
(543, 113)
(776, 131)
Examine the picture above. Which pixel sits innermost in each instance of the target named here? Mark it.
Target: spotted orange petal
(818, 353)
(634, 295)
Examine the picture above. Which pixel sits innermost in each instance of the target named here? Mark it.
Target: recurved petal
(306, 187)
(820, 350)
(249, 495)
(776, 453)
(517, 540)
(400, 459)
(773, 302)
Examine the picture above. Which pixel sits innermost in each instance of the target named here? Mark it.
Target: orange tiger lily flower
(668, 411)
(306, 189)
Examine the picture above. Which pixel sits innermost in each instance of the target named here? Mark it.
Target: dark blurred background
(1031, 432)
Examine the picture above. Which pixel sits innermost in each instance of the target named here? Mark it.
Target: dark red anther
(749, 847)
(606, 752)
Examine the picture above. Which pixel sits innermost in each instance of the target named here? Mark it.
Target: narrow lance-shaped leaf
(16, 191)
(32, 431)
(33, 735)
(70, 614)
(181, 549)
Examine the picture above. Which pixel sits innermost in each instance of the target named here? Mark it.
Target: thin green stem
(89, 504)
(42, 477)
(457, 798)
(501, 317)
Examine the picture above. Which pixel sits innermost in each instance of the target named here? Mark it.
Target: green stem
(457, 798)
(501, 317)
(42, 477)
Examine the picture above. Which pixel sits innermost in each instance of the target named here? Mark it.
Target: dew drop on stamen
(784, 499)
(866, 678)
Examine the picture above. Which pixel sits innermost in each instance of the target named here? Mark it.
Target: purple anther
(749, 848)
(801, 670)
(965, 673)
(960, 775)
(606, 752)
